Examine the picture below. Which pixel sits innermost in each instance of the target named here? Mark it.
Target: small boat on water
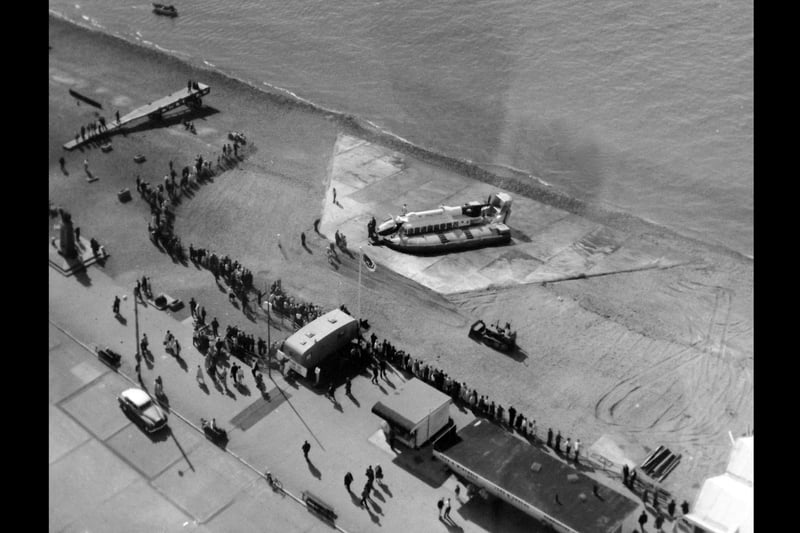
(447, 228)
(166, 10)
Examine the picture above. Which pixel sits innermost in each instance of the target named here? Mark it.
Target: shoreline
(361, 127)
(619, 321)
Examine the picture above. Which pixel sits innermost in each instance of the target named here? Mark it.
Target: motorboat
(447, 228)
(166, 10)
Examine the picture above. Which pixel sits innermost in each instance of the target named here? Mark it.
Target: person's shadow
(121, 319)
(314, 470)
(353, 399)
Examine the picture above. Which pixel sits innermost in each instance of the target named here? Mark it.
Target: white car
(139, 404)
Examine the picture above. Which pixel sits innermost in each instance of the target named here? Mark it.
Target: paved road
(189, 482)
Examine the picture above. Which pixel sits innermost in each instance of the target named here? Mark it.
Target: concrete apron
(548, 244)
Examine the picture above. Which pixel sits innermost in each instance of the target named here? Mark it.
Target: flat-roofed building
(546, 488)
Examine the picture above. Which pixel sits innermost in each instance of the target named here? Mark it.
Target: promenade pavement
(344, 436)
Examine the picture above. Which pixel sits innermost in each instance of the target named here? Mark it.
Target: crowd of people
(235, 341)
(238, 278)
(301, 313)
(93, 130)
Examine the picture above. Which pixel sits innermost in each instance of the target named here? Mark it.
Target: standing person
(192, 306)
(633, 480)
(375, 374)
(234, 375)
(382, 364)
(86, 165)
(302, 239)
(685, 507)
(625, 472)
(77, 234)
(144, 343)
(642, 520)
(332, 391)
(512, 413)
(549, 437)
(347, 386)
(61, 163)
(659, 523)
(440, 505)
(334, 195)
(348, 478)
(214, 325)
(577, 447)
(379, 474)
(447, 509)
(567, 447)
(364, 497)
(558, 442)
(201, 380)
(117, 114)
(671, 509)
(306, 448)
(115, 307)
(223, 375)
(370, 473)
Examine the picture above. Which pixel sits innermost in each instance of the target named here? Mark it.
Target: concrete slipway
(548, 244)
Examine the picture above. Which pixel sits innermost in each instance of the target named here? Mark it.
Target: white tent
(725, 503)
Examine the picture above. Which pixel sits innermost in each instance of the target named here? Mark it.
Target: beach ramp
(189, 96)
(608, 455)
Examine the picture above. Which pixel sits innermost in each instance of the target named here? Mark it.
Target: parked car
(138, 404)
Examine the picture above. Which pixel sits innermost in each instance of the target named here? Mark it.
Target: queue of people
(301, 313)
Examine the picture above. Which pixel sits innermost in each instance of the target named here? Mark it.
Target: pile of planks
(660, 463)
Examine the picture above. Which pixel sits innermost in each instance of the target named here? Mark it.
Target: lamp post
(269, 343)
(360, 260)
(136, 322)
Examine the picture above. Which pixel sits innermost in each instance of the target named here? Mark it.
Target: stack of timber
(660, 463)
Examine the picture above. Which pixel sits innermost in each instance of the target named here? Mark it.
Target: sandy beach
(649, 358)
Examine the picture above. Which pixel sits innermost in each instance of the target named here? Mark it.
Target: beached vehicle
(448, 228)
(496, 336)
(166, 10)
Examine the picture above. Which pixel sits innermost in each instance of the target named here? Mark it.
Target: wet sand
(652, 357)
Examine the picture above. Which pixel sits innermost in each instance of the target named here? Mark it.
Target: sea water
(641, 107)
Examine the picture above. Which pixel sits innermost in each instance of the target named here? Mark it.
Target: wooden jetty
(154, 110)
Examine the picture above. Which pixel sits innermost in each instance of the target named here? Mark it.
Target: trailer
(546, 488)
(313, 346)
(416, 413)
